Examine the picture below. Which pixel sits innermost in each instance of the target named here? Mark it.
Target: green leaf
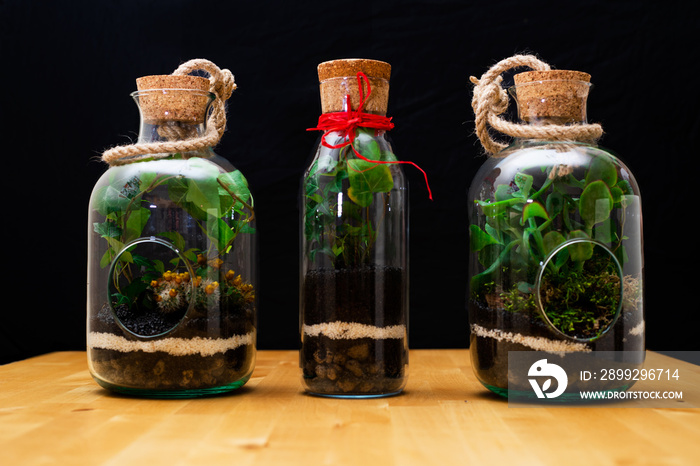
(602, 169)
(107, 229)
(366, 179)
(551, 240)
(492, 209)
(136, 222)
(580, 251)
(107, 200)
(524, 184)
(175, 238)
(555, 203)
(366, 144)
(478, 238)
(502, 193)
(532, 210)
(596, 203)
(222, 232)
(236, 183)
(204, 194)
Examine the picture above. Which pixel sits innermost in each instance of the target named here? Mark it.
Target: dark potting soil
(361, 366)
(149, 323)
(373, 296)
(162, 371)
(365, 295)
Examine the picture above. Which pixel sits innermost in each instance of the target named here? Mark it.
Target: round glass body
(556, 259)
(171, 274)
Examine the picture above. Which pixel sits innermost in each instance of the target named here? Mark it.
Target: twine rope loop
(490, 101)
(221, 84)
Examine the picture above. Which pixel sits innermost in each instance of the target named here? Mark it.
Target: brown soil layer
(354, 367)
(371, 296)
(162, 371)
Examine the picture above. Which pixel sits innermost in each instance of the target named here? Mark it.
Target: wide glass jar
(555, 223)
(354, 242)
(171, 257)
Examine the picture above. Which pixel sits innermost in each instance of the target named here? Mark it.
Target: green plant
(219, 203)
(339, 191)
(525, 224)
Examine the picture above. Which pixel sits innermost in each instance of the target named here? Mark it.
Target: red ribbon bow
(347, 121)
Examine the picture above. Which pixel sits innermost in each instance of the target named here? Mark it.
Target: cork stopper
(552, 96)
(166, 98)
(338, 79)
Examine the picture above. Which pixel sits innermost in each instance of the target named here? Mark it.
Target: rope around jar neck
(491, 100)
(222, 85)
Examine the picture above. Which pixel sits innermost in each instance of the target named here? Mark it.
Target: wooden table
(51, 412)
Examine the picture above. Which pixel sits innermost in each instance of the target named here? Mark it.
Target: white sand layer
(536, 343)
(637, 329)
(172, 346)
(351, 330)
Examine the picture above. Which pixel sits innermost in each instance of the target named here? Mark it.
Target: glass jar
(556, 259)
(354, 243)
(171, 257)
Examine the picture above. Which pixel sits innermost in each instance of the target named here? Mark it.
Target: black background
(68, 68)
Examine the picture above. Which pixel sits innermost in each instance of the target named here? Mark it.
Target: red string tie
(346, 122)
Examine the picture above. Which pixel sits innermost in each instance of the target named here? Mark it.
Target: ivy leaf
(107, 229)
(108, 199)
(136, 222)
(366, 179)
(366, 144)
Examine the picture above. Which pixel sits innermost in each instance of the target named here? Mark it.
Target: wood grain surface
(52, 412)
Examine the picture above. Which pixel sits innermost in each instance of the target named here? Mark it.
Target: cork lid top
(164, 98)
(340, 89)
(352, 66)
(169, 81)
(551, 75)
(552, 96)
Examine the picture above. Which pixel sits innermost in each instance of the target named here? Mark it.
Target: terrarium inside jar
(556, 259)
(354, 264)
(171, 255)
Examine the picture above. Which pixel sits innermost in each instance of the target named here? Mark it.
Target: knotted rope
(222, 85)
(490, 100)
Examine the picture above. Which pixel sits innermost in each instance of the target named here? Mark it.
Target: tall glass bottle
(354, 245)
(556, 260)
(171, 257)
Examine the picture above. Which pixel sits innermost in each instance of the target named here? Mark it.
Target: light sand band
(536, 343)
(172, 346)
(351, 330)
